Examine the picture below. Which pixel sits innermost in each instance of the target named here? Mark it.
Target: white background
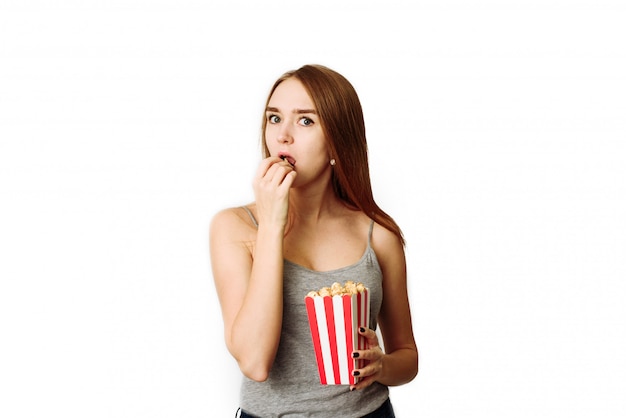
(497, 136)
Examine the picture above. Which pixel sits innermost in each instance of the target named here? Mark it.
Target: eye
(273, 119)
(304, 121)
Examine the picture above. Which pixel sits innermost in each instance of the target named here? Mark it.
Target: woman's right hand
(271, 186)
(248, 270)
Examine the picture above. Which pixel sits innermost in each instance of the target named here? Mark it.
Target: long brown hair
(341, 119)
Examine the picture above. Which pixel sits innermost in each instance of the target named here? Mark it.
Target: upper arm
(231, 263)
(395, 315)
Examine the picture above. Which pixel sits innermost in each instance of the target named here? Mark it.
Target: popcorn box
(334, 322)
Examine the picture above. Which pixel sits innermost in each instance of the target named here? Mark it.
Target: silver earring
(332, 161)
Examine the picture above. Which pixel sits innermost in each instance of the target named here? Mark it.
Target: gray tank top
(293, 387)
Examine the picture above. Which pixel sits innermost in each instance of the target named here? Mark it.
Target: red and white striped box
(334, 322)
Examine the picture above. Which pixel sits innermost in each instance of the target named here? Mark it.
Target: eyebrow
(296, 111)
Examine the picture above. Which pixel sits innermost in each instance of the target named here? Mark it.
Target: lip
(287, 157)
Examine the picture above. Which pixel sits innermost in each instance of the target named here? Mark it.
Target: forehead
(291, 94)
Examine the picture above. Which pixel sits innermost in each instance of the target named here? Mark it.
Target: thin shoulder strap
(369, 237)
(256, 224)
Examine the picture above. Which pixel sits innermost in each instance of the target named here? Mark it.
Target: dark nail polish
(362, 329)
(356, 373)
(355, 355)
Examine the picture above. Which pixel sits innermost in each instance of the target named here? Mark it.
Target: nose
(284, 134)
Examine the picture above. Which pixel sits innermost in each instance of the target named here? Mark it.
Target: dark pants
(385, 411)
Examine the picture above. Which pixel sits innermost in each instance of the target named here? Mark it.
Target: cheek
(321, 146)
(271, 146)
(269, 138)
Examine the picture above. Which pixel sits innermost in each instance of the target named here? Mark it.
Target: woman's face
(293, 131)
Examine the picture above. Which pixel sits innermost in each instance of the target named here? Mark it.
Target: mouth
(288, 158)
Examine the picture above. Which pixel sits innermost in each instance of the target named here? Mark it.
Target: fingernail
(356, 373)
(352, 388)
(362, 329)
(355, 355)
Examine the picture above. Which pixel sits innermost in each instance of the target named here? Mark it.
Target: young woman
(314, 221)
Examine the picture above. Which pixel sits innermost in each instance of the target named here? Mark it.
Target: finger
(370, 335)
(279, 173)
(268, 174)
(265, 165)
(373, 353)
(370, 369)
(289, 179)
(363, 383)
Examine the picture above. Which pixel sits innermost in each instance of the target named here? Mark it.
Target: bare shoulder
(234, 222)
(385, 240)
(231, 240)
(232, 226)
(387, 246)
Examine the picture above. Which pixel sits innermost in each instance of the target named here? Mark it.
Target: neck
(309, 206)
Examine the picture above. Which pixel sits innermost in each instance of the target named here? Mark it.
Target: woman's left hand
(370, 372)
